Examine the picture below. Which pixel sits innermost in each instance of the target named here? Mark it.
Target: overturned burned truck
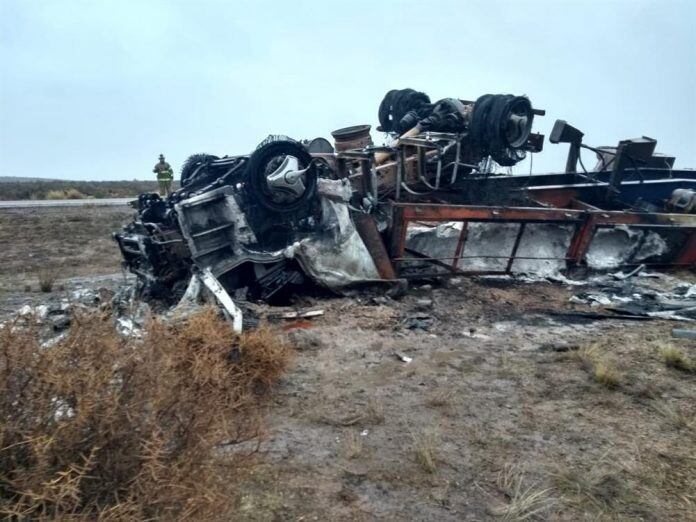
(427, 204)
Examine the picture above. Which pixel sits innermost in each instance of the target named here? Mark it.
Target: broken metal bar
(168, 242)
(622, 277)
(520, 232)
(211, 282)
(599, 316)
(422, 257)
(367, 229)
(438, 174)
(366, 181)
(460, 245)
(581, 205)
(456, 162)
(580, 242)
(213, 230)
(297, 314)
(355, 154)
(398, 233)
(400, 172)
(411, 191)
(422, 170)
(431, 275)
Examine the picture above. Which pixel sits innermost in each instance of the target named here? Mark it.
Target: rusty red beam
(439, 212)
(422, 256)
(398, 233)
(557, 197)
(367, 229)
(687, 256)
(580, 242)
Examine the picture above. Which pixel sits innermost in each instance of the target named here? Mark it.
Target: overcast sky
(97, 89)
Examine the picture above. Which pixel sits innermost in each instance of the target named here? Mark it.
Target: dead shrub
(352, 444)
(524, 502)
(371, 413)
(47, 279)
(606, 375)
(440, 398)
(97, 426)
(71, 193)
(675, 358)
(599, 488)
(601, 370)
(677, 416)
(425, 445)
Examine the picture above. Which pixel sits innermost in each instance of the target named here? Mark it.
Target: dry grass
(629, 485)
(372, 413)
(601, 370)
(440, 398)
(101, 427)
(596, 489)
(675, 358)
(606, 375)
(70, 193)
(524, 502)
(677, 416)
(352, 445)
(47, 278)
(425, 446)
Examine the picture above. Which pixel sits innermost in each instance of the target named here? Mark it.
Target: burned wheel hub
(282, 176)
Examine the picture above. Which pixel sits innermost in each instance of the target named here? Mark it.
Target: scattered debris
(559, 346)
(640, 298)
(424, 304)
(418, 321)
(681, 333)
(471, 332)
(621, 276)
(60, 322)
(232, 311)
(402, 357)
(126, 328)
(300, 315)
(599, 316)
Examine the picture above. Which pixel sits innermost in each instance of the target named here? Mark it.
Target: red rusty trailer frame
(562, 205)
(585, 221)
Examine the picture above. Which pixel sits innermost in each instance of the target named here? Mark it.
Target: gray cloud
(95, 90)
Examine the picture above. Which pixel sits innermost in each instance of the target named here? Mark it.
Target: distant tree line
(13, 190)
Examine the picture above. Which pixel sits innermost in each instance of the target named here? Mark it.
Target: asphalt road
(28, 203)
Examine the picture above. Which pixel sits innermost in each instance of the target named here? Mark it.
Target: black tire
(194, 169)
(257, 172)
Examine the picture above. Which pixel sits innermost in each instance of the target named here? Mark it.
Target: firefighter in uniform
(165, 175)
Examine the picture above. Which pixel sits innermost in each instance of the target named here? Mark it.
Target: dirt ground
(504, 412)
(68, 241)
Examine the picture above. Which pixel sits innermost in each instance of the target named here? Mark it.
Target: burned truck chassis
(258, 222)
